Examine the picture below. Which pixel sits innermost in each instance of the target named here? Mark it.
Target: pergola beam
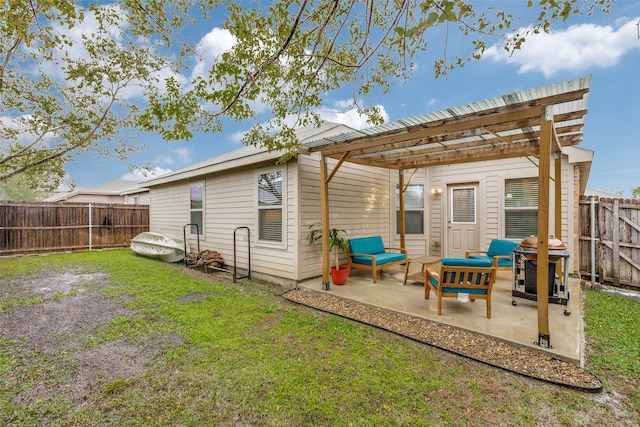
(518, 129)
(446, 127)
(493, 116)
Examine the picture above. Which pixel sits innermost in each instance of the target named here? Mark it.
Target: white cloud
(142, 174)
(211, 46)
(178, 156)
(577, 48)
(350, 117)
(88, 27)
(342, 112)
(183, 155)
(236, 137)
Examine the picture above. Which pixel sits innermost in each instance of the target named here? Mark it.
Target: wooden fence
(610, 241)
(38, 227)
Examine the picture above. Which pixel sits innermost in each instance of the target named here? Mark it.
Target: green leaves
(140, 69)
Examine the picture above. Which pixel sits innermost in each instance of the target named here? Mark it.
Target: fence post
(616, 242)
(90, 224)
(593, 243)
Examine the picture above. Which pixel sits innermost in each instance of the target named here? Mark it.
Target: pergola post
(324, 201)
(542, 270)
(558, 205)
(401, 190)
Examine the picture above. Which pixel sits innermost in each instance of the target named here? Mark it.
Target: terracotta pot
(339, 275)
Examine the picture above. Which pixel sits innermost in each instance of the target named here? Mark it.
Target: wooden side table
(425, 261)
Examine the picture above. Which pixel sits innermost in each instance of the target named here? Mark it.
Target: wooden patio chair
(369, 253)
(461, 276)
(499, 253)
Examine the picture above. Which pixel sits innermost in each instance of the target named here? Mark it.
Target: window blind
(521, 207)
(463, 205)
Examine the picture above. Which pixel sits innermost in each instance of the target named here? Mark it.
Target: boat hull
(159, 246)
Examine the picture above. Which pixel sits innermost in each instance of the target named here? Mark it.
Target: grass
(241, 355)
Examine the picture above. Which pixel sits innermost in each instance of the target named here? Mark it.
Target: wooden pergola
(534, 123)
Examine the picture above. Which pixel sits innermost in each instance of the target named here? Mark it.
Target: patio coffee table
(425, 261)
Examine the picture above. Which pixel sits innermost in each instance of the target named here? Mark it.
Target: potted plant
(337, 241)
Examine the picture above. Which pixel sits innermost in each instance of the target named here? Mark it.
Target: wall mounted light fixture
(436, 192)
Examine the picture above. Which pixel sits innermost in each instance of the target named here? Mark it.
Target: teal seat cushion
(366, 245)
(451, 277)
(470, 291)
(381, 258)
(501, 247)
(467, 262)
(465, 291)
(502, 262)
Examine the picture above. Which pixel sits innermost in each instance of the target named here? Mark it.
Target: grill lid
(532, 242)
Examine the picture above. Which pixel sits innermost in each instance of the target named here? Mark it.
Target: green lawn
(218, 353)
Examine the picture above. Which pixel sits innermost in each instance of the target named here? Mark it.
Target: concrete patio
(515, 324)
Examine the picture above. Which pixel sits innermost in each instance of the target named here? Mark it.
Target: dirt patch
(49, 284)
(197, 296)
(62, 323)
(71, 310)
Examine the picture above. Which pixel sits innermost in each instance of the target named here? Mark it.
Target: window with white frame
(463, 205)
(270, 206)
(520, 207)
(196, 208)
(413, 209)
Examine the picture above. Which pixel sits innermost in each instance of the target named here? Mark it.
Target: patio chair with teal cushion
(474, 277)
(369, 253)
(499, 253)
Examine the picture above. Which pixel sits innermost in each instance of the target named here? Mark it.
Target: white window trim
(204, 204)
(475, 202)
(503, 211)
(423, 210)
(283, 207)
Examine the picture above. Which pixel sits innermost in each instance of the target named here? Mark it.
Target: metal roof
(240, 157)
(500, 127)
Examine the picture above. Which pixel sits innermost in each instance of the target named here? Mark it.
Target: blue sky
(605, 46)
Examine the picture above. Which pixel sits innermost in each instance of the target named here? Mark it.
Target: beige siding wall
(362, 201)
(169, 210)
(490, 177)
(230, 201)
(143, 198)
(359, 200)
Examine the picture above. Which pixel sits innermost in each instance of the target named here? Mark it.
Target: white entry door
(463, 231)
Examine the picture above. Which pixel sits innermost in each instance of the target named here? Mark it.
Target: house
(116, 191)
(460, 198)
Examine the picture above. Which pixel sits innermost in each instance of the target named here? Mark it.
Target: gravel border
(518, 359)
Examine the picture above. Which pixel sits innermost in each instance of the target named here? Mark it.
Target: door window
(463, 205)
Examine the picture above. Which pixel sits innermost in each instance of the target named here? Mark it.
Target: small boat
(156, 245)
